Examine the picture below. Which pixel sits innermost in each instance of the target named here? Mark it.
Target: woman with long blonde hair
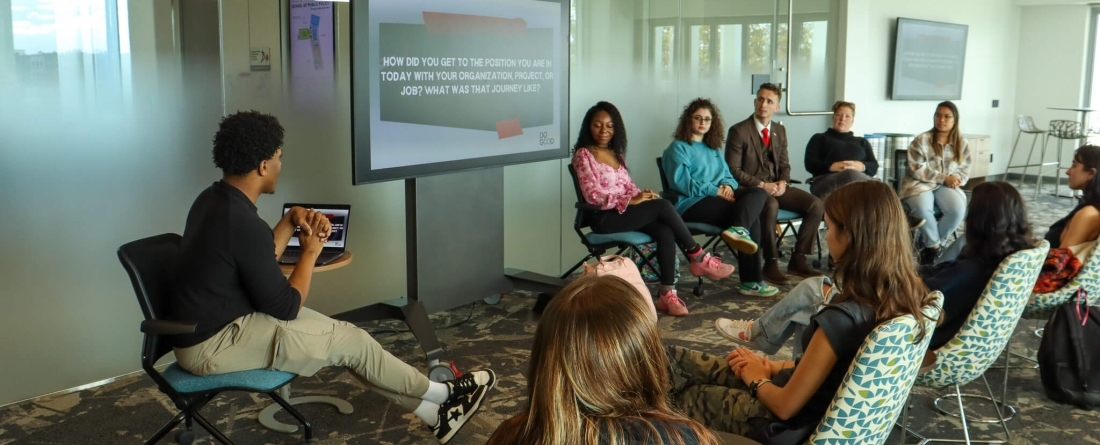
(876, 280)
(598, 374)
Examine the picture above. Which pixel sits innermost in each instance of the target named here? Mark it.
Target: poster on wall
(311, 39)
(312, 62)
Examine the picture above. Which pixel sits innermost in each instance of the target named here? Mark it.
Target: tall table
(1082, 112)
(267, 416)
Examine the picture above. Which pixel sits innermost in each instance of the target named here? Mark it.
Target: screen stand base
(454, 238)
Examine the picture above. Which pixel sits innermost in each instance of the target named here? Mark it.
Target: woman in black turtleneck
(837, 157)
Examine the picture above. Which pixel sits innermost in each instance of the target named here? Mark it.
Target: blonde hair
(597, 361)
(878, 268)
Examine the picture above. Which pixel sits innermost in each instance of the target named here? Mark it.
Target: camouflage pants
(705, 389)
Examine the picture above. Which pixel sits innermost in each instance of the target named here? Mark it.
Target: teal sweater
(694, 171)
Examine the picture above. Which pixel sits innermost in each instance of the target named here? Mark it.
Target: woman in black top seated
(837, 157)
(745, 393)
(996, 227)
(599, 374)
(1083, 223)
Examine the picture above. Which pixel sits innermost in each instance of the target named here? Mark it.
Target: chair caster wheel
(185, 437)
(697, 291)
(442, 372)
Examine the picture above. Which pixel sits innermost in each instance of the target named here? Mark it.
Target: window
(71, 53)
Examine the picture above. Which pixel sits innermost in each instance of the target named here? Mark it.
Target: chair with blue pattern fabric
(1042, 306)
(151, 265)
(877, 385)
(984, 334)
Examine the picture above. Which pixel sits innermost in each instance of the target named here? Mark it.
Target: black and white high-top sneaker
(465, 399)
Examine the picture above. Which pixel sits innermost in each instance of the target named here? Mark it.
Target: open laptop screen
(338, 216)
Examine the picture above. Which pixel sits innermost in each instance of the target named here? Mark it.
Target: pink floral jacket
(602, 184)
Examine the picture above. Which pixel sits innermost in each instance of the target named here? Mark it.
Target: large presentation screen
(928, 60)
(447, 85)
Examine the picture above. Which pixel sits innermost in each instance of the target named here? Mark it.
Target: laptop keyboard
(292, 257)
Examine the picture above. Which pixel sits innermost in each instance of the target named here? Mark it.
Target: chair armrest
(587, 206)
(795, 181)
(166, 327)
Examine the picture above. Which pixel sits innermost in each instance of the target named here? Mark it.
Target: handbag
(1070, 351)
(619, 266)
(649, 250)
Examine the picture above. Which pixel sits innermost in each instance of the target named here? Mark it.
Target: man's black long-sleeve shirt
(227, 266)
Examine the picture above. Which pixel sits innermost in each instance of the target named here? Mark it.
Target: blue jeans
(791, 315)
(952, 202)
(952, 252)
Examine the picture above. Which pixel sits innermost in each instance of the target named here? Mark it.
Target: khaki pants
(303, 346)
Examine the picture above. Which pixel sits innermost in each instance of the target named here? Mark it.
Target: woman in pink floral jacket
(599, 159)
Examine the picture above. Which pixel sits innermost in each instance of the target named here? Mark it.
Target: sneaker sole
(745, 343)
(756, 294)
(739, 244)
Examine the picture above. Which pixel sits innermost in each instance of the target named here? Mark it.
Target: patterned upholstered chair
(1042, 306)
(985, 333)
(878, 382)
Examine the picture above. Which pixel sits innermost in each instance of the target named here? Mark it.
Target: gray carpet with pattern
(498, 336)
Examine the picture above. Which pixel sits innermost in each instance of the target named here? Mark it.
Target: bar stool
(1027, 125)
(1061, 130)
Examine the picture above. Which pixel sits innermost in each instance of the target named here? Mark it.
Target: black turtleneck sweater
(832, 146)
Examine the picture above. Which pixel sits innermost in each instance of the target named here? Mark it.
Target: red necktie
(767, 140)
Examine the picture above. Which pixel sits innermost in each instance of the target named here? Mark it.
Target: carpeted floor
(496, 336)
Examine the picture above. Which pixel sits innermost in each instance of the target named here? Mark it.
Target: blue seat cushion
(705, 229)
(786, 215)
(634, 238)
(259, 380)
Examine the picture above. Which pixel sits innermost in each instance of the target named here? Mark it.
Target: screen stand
(454, 238)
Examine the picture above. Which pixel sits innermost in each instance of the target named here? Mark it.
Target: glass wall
(652, 57)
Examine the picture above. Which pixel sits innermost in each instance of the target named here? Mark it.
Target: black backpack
(1069, 354)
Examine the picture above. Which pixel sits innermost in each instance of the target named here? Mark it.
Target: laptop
(339, 215)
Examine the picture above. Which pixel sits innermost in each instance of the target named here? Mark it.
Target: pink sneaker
(671, 303)
(712, 267)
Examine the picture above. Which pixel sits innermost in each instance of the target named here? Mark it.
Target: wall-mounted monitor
(442, 85)
(928, 60)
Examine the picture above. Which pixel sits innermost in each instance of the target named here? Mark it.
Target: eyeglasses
(705, 120)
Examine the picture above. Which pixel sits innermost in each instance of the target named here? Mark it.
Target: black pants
(658, 219)
(745, 212)
(810, 207)
(822, 186)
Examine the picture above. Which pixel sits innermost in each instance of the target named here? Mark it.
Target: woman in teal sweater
(705, 191)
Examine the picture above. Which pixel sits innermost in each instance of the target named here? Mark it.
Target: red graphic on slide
(460, 24)
(509, 128)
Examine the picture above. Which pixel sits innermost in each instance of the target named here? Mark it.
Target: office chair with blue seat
(713, 233)
(599, 243)
(151, 265)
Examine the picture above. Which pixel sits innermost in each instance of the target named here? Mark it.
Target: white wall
(1051, 70)
(990, 71)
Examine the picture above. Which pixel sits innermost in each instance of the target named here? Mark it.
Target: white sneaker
(737, 331)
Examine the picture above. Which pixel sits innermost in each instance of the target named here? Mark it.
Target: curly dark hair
(996, 223)
(714, 137)
(1089, 157)
(618, 140)
(245, 139)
